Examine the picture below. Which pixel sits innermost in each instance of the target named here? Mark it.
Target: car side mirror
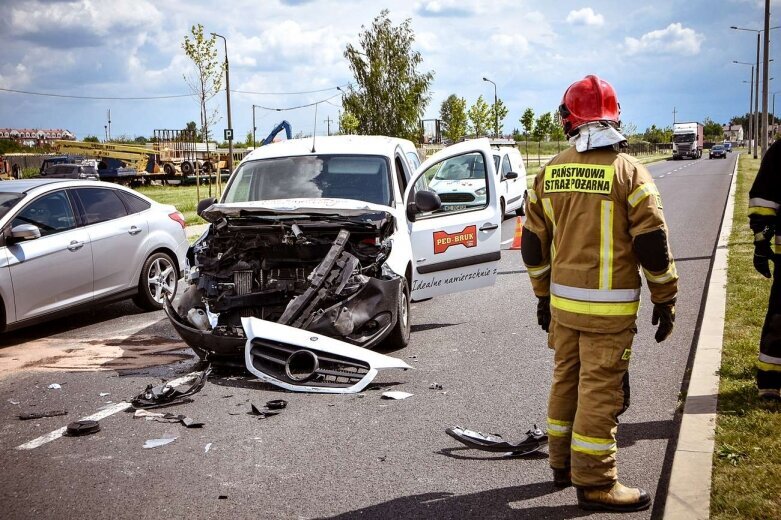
(427, 201)
(24, 232)
(203, 204)
(510, 175)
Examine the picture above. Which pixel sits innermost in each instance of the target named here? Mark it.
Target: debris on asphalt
(262, 413)
(55, 386)
(104, 394)
(534, 439)
(168, 418)
(165, 395)
(435, 386)
(222, 497)
(382, 459)
(40, 415)
(396, 394)
(155, 443)
(79, 428)
(13, 401)
(207, 448)
(276, 404)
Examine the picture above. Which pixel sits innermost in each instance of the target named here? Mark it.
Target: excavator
(283, 125)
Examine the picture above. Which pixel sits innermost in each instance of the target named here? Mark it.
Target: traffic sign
(228, 134)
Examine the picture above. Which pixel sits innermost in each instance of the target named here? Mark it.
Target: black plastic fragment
(262, 413)
(532, 441)
(40, 415)
(79, 428)
(276, 404)
(165, 395)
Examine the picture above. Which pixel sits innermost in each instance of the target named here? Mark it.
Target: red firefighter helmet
(586, 101)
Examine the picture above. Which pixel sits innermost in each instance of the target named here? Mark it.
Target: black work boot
(771, 394)
(615, 497)
(562, 477)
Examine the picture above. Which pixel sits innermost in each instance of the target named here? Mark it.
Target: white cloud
(585, 16)
(674, 39)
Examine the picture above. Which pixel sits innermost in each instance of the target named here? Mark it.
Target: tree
(527, 122)
(656, 135)
(480, 117)
(712, 130)
(192, 128)
(543, 127)
(207, 80)
(391, 94)
(453, 116)
(140, 140)
(91, 139)
(500, 110)
(629, 130)
(348, 123)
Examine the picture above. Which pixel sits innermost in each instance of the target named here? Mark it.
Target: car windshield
(718, 148)
(463, 167)
(358, 177)
(8, 201)
(683, 138)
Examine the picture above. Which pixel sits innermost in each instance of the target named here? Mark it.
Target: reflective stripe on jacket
(585, 212)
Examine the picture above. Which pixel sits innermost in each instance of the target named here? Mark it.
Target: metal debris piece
(276, 404)
(79, 428)
(165, 395)
(55, 386)
(395, 394)
(534, 439)
(435, 386)
(168, 418)
(154, 443)
(40, 415)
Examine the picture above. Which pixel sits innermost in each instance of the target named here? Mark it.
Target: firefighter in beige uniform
(594, 220)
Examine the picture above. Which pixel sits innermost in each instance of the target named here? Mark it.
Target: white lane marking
(102, 414)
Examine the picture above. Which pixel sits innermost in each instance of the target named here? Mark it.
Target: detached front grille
(298, 365)
(456, 197)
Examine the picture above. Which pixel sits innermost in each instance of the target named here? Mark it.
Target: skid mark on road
(117, 354)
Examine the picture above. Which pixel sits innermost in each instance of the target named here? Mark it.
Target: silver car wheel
(404, 311)
(161, 279)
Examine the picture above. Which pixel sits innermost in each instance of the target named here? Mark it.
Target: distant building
(35, 136)
(733, 133)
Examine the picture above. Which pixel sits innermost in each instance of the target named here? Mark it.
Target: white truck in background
(687, 140)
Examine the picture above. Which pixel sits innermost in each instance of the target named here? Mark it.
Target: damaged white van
(334, 236)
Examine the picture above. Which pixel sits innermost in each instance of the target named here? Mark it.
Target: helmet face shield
(588, 100)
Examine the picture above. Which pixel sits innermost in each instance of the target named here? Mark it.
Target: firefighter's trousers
(586, 397)
(769, 363)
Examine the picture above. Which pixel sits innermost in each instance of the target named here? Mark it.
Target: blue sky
(658, 55)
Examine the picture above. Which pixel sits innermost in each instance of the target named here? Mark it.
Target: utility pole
(765, 62)
(328, 122)
(108, 131)
(674, 112)
(757, 129)
(228, 102)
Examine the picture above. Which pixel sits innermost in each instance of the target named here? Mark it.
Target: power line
(46, 94)
(288, 93)
(299, 106)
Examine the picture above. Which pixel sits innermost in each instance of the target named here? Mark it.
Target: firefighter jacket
(594, 220)
(765, 198)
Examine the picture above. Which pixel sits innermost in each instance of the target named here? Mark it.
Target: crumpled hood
(337, 207)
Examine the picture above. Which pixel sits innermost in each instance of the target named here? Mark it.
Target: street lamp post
(751, 126)
(228, 101)
(253, 126)
(496, 109)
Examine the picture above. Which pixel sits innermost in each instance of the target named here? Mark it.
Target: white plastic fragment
(55, 386)
(104, 394)
(207, 447)
(13, 401)
(154, 443)
(395, 394)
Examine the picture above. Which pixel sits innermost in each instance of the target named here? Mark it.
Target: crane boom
(137, 156)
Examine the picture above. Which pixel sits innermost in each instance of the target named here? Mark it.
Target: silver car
(66, 245)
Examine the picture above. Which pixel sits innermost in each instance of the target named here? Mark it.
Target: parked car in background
(66, 245)
(512, 188)
(728, 146)
(71, 171)
(718, 151)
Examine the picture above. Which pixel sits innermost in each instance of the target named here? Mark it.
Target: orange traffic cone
(518, 233)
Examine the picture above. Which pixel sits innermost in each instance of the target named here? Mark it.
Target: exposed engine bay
(320, 272)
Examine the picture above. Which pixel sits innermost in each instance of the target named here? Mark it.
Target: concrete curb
(688, 496)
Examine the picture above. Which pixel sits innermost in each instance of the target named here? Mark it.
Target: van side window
(401, 176)
(506, 167)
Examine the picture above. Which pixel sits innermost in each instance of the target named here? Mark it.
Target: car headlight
(481, 191)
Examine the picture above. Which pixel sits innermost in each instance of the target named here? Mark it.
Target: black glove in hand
(543, 312)
(763, 253)
(664, 316)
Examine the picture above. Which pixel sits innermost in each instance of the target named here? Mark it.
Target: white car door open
(455, 248)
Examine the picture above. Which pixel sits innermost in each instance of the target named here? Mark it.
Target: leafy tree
(556, 130)
(391, 94)
(656, 135)
(140, 140)
(480, 116)
(348, 123)
(192, 128)
(91, 139)
(629, 130)
(452, 112)
(543, 127)
(500, 110)
(527, 121)
(712, 130)
(206, 82)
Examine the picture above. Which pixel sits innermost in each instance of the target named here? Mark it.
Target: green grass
(185, 198)
(747, 459)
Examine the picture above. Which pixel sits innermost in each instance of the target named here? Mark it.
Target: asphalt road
(352, 456)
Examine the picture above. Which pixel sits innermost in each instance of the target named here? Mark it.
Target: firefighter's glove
(763, 252)
(664, 316)
(543, 312)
